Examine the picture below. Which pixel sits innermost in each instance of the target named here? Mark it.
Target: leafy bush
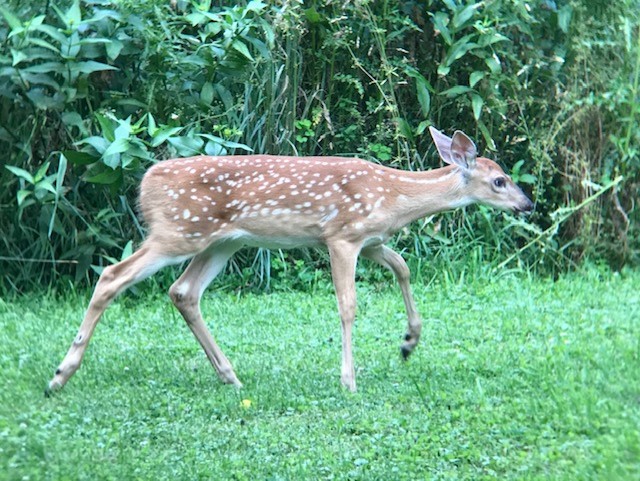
(93, 92)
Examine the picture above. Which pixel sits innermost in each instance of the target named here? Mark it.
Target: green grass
(516, 378)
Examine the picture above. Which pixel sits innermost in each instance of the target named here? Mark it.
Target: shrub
(95, 92)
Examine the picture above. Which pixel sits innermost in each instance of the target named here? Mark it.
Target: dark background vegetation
(94, 92)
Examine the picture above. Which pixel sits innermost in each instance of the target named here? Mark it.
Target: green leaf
(137, 149)
(22, 195)
(443, 70)
(69, 50)
(41, 172)
(424, 97)
(94, 41)
(195, 18)
(459, 49)
(46, 67)
(43, 101)
(127, 251)
(73, 17)
(476, 104)
(493, 63)
(527, 179)
(313, 16)
(451, 4)
(53, 32)
(564, 17)
(13, 21)
(214, 27)
(100, 144)
(163, 133)
(487, 136)
(128, 102)
(73, 119)
(490, 39)
(35, 23)
(187, 146)
(41, 79)
(423, 88)
(405, 129)
(116, 147)
(89, 67)
(225, 96)
(269, 35)
(228, 143)
(126, 160)
(456, 91)
(517, 166)
(44, 185)
(113, 161)
(461, 17)
(78, 157)
(206, 94)
(475, 77)
(255, 6)
(440, 25)
(151, 125)
(17, 56)
(43, 43)
(17, 171)
(108, 176)
(628, 28)
(114, 47)
(422, 127)
(194, 60)
(106, 125)
(123, 131)
(214, 148)
(242, 48)
(236, 145)
(62, 169)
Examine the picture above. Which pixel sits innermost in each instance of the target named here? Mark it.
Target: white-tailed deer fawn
(209, 207)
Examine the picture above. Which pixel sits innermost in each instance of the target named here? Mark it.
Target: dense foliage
(93, 92)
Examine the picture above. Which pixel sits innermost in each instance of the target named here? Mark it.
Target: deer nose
(526, 206)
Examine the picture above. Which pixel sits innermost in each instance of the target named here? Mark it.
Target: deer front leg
(343, 257)
(113, 280)
(186, 293)
(390, 259)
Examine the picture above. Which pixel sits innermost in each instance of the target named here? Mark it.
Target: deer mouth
(524, 209)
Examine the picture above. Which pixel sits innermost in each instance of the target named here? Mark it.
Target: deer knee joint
(108, 275)
(348, 311)
(181, 297)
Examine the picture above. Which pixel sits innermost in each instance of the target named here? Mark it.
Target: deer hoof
(405, 351)
(50, 390)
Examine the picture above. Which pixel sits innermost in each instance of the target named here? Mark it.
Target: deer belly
(273, 241)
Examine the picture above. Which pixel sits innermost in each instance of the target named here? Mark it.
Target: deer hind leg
(186, 293)
(343, 257)
(113, 280)
(395, 263)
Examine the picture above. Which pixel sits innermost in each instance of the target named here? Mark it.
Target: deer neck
(420, 194)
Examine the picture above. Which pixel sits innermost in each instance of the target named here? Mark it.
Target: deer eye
(499, 182)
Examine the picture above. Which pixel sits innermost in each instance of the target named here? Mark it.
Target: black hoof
(47, 392)
(406, 352)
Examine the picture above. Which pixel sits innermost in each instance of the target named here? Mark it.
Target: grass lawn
(515, 378)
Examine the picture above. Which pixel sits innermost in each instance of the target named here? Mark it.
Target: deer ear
(463, 150)
(443, 144)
